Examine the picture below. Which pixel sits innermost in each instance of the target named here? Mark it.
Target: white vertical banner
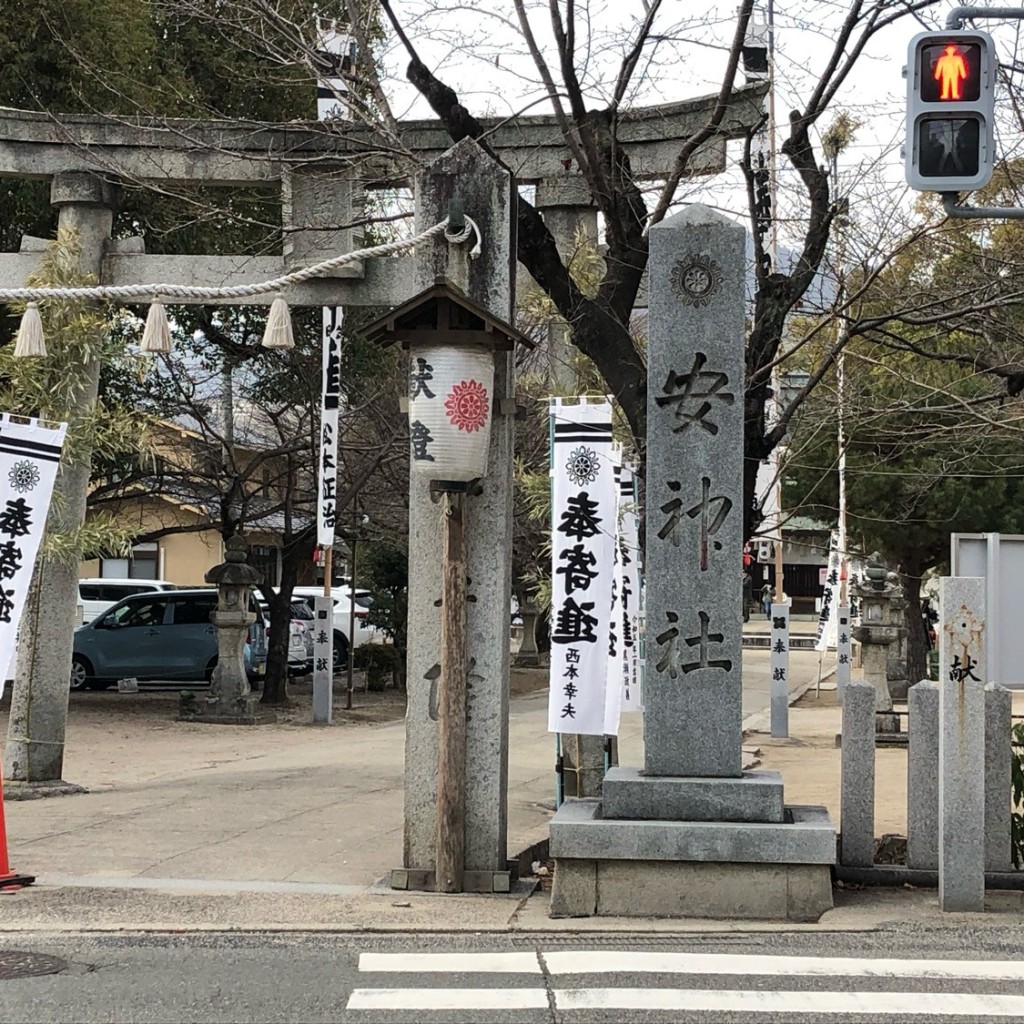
(583, 508)
(613, 684)
(336, 54)
(629, 593)
(330, 400)
(829, 599)
(29, 457)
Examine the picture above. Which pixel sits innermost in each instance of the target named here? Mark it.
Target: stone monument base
(718, 869)
(238, 711)
(753, 796)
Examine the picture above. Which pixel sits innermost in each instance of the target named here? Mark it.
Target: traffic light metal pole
(949, 204)
(956, 17)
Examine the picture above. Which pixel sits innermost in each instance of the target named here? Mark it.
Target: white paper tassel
(30, 334)
(157, 335)
(279, 326)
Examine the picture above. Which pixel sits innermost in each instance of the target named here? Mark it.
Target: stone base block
(673, 889)
(579, 831)
(755, 796)
(720, 869)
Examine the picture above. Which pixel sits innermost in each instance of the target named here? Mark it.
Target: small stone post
(230, 699)
(923, 776)
(962, 744)
(780, 670)
(857, 776)
(998, 781)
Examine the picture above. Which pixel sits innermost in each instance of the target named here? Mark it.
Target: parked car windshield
(139, 613)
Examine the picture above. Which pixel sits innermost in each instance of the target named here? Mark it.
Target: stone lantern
(230, 698)
(880, 599)
(451, 342)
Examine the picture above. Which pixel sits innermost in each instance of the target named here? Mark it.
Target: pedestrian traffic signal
(950, 144)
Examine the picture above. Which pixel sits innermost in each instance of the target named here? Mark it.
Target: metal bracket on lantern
(456, 215)
(472, 488)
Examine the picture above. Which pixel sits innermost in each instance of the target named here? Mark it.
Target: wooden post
(451, 740)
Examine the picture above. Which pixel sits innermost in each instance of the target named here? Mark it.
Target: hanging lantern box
(451, 343)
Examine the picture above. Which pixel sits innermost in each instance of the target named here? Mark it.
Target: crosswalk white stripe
(448, 999)
(462, 963)
(889, 1004)
(654, 962)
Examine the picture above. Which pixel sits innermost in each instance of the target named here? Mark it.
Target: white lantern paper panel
(451, 400)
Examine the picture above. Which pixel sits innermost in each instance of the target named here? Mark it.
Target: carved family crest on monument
(696, 280)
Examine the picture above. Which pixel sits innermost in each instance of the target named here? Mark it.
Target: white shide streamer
(29, 456)
(583, 508)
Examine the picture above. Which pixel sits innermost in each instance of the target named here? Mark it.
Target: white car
(96, 595)
(343, 604)
(300, 635)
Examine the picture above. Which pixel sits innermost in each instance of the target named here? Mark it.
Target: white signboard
(999, 559)
(29, 457)
(844, 647)
(583, 509)
(780, 670)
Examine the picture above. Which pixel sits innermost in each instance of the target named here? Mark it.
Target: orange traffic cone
(8, 879)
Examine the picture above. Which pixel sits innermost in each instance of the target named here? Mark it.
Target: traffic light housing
(951, 79)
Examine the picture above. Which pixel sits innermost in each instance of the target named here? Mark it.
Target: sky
(478, 48)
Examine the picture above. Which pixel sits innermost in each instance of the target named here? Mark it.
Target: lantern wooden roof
(443, 313)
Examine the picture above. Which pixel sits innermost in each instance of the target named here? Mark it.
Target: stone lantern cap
(234, 571)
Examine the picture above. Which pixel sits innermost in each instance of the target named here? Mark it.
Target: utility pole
(335, 52)
(773, 243)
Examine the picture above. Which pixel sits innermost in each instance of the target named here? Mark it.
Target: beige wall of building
(182, 558)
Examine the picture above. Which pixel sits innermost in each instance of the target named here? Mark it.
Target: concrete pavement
(278, 803)
(194, 827)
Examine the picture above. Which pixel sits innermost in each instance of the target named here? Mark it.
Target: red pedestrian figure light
(950, 71)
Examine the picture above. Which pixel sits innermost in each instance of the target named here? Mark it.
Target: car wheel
(210, 666)
(340, 651)
(80, 672)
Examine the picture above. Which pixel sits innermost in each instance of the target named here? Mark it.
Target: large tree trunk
(275, 685)
(912, 570)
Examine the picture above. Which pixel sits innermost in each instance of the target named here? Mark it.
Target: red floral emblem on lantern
(466, 405)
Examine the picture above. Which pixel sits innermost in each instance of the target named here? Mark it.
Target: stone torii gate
(322, 171)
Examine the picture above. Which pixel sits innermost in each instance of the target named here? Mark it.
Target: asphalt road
(908, 976)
